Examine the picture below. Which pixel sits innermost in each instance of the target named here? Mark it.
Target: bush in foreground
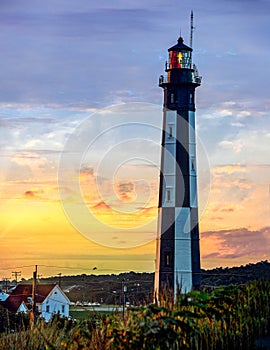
(228, 318)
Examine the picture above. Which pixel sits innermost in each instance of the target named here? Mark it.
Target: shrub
(228, 318)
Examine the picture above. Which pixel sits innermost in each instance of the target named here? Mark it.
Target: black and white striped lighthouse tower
(178, 251)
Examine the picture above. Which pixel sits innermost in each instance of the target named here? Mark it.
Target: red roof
(23, 292)
(12, 303)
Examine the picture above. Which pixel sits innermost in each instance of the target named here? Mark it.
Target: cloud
(231, 187)
(86, 171)
(55, 48)
(233, 108)
(33, 194)
(238, 243)
(126, 191)
(229, 169)
(227, 210)
(36, 163)
(63, 60)
(14, 171)
(239, 197)
(236, 146)
(44, 193)
(102, 207)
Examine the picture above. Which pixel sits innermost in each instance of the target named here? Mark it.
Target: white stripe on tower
(169, 168)
(183, 224)
(183, 264)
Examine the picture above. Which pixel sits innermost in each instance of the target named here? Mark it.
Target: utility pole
(5, 283)
(59, 279)
(34, 287)
(16, 274)
(124, 290)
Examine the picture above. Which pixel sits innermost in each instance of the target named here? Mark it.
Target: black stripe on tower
(180, 98)
(182, 160)
(161, 181)
(167, 246)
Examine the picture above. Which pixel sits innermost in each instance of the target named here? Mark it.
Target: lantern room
(179, 56)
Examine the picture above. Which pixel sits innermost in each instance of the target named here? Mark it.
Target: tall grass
(228, 318)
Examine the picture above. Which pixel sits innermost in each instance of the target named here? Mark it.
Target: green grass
(229, 318)
(81, 313)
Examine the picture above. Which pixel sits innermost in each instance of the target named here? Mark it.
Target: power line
(97, 270)
(16, 274)
(16, 267)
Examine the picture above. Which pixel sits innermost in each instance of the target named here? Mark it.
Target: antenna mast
(191, 29)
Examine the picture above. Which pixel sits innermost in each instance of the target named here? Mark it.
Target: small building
(15, 305)
(50, 300)
(3, 296)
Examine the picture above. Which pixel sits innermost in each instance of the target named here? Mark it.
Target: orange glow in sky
(80, 132)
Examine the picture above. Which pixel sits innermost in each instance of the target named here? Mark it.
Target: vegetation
(108, 288)
(236, 275)
(11, 322)
(229, 317)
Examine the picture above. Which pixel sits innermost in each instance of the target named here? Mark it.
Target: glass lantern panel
(174, 60)
(186, 59)
(180, 59)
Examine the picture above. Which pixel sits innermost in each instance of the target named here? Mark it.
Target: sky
(80, 126)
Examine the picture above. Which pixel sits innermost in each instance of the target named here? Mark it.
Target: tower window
(167, 259)
(193, 165)
(170, 131)
(172, 98)
(190, 98)
(168, 194)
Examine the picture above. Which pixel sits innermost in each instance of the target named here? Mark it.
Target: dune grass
(227, 318)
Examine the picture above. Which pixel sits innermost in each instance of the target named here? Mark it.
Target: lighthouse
(177, 249)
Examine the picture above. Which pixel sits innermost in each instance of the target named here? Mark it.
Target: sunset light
(81, 129)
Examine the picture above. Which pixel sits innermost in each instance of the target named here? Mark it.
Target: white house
(50, 300)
